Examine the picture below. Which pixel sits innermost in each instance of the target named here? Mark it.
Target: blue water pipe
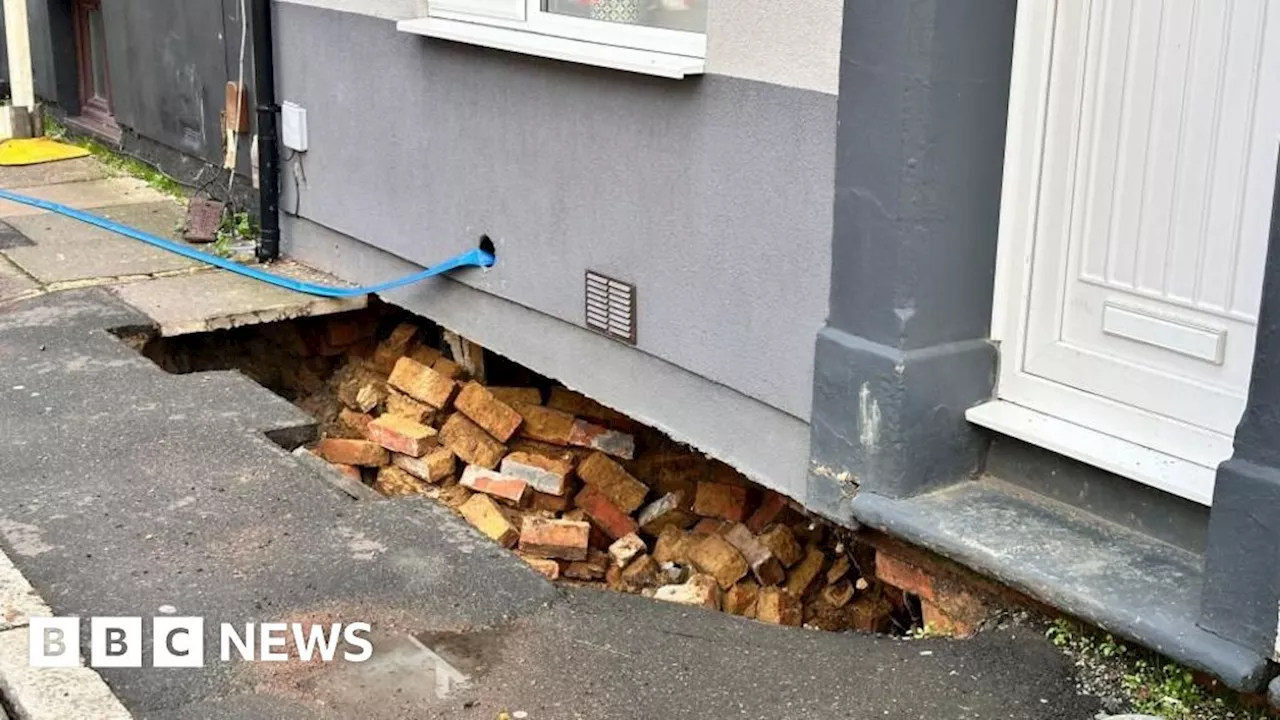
(476, 257)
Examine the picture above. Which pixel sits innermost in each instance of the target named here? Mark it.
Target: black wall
(169, 62)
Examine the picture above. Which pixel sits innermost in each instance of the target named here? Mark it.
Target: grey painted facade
(712, 195)
(917, 204)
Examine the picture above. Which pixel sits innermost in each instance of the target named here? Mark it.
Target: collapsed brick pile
(583, 493)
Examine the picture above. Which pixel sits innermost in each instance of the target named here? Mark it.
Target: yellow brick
(483, 513)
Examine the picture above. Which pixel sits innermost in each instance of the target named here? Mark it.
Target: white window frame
(528, 16)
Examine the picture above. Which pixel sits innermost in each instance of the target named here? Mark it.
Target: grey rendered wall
(712, 194)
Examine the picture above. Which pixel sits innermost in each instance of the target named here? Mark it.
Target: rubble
(581, 492)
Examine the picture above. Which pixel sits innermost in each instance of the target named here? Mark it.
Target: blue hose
(471, 258)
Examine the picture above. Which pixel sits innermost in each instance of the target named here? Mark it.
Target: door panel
(1161, 128)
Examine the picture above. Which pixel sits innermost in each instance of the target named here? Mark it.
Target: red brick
(663, 512)
(402, 405)
(392, 482)
(905, 576)
(608, 517)
(593, 568)
(741, 599)
(353, 452)
(401, 435)
(560, 539)
(448, 368)
(714, 556)
(546, 475)
(709, 526)
(720, 500)
(471, 443)
(350, 471)
(354, 422)
(782, 543)
(395, 346)
(871, 614)
(550, 503)
(514, 396)
(545, 424)
(626, 548)
(803, 574)
(673, 545)
(496, 417)
(769, 510)
(608, 477)
(640, 573)
(481, 511)
(575, 403)
(422, 383)
(454, 496)
(599, 540)
(424, 354)
(550, 569)
(763, 564)
(433, 467)
(596, 437)
(777, 606)
(512, 491)
(839, 568)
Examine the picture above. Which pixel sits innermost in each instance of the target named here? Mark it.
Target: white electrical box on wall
(293, 126)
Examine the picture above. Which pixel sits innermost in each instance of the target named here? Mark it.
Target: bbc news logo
(178, 642)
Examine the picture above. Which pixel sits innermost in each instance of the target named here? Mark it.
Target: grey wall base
(1180, 522)
(1241, 588)
(892, 421)
(766, 444)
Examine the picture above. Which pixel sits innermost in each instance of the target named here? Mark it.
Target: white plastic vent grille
(611, 307)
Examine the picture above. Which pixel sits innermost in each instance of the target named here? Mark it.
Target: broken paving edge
(585, 495)
(43, 693)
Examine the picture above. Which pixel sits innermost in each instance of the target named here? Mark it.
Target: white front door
(1141, 164)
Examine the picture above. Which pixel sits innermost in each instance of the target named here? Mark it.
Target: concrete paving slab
(13, 281)
(18, 600)
(63, 171)
(40, 693)
(66, 249)
(85, 195)
(203, 302)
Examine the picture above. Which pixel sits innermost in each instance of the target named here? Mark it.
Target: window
(660, 37)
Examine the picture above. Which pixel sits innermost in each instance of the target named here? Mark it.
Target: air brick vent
(611, 307)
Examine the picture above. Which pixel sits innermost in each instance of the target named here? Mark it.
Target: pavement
(42, 252)
(129, 491)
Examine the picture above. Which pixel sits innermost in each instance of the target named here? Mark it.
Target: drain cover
(611, 307)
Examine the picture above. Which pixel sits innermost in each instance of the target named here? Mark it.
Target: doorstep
(1123, 581)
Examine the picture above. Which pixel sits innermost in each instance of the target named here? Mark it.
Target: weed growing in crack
(237, 227)
(115, 160)
(1138, 680)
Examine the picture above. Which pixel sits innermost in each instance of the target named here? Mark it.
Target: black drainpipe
(264, 80)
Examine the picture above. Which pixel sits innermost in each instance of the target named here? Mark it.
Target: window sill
(645, 62)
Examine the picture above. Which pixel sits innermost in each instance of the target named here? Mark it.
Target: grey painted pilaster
(1242, 579)
(924, 92)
